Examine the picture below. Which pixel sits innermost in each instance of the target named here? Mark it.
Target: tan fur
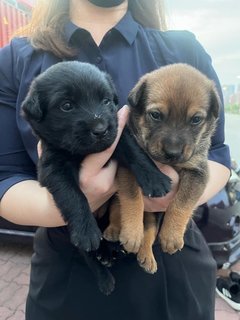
(130, 201)
(182, 95)
(145, 254)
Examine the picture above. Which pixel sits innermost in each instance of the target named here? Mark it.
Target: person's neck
(95, 19)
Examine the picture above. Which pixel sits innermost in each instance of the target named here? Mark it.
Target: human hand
(96, 180)
(161, 204)
(39, 149)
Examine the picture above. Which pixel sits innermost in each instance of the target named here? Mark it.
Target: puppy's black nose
(99, 129)
(173, 154)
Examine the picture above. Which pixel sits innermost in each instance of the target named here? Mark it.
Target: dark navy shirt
(126, 52)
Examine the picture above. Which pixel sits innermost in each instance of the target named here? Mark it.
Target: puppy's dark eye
(66, 107)
(106, 101)
(156, 115)
(196, 120)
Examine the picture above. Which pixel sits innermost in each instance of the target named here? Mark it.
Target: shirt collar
(127, 27)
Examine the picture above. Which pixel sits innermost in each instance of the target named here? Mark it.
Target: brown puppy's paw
(147, 261)
(111, 233)
(131, 239)
(171, 242)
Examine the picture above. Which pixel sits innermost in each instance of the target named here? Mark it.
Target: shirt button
(99, 59)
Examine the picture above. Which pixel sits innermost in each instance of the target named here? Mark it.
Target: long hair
(46, 27)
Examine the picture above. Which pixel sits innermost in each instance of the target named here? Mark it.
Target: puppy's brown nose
(99, 129)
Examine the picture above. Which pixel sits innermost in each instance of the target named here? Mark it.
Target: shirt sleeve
(15, 164)
(219, 151)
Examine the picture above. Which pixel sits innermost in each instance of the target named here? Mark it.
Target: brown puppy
(174, 111)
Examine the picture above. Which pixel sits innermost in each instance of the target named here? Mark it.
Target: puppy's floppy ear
(215, 102)
(31, 108)
(138, 95)
(114, 91)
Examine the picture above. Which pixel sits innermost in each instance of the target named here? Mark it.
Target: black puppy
(72, 107)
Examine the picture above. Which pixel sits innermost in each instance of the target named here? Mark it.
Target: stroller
(219, 221)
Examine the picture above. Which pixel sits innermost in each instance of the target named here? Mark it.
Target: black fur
(72, 107)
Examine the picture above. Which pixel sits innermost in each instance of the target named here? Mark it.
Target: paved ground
(15, 257)
(14, 277)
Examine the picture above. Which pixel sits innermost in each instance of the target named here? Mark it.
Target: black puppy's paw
(102, 274)
(86, 237)
(106, 282)
(109, 252)
(106, 258)
(155, 184)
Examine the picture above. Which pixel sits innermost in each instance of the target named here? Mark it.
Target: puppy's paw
(111, 233)
(87, 239)
(106, 283)
(106, 253)
(109, 252)
(156, 184)
(146, 260)
(171, 242)
(105, 260)
(131, 239)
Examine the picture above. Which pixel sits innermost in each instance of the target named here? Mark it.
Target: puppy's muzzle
(99, 129)
(173, 154)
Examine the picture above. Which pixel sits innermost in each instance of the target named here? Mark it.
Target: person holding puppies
(127, 40)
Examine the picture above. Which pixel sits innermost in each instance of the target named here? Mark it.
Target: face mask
(106, 3)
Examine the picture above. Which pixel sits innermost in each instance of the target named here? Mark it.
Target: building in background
(14, 14)
(231, 95)
(228, 92)
(236, 98)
